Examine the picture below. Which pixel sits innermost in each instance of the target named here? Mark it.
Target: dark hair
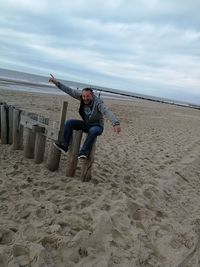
(87, 89)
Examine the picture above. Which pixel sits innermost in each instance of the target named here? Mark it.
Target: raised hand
(53, 80)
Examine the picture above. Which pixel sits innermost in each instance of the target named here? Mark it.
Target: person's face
(87, 97)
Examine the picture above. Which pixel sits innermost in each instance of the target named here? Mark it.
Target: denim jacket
(98, 108)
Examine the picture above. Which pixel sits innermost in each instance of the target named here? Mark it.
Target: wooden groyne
(29, 132)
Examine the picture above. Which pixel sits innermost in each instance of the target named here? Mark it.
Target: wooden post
(73, 153)
(62, 121)
(86, 165)
(40, 141)
(10, 128)
(0, 120)
(29, 144)
(17, 130)
(54, 154)
(53, 158)
(4, 124)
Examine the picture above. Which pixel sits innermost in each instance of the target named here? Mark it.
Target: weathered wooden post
(53, 158)
(10, 125)
(54, 154)
(4, 124)
(40, 141)
(29, 144)
(17, 130)
(72, 158)
(0, 120)
(86, 165)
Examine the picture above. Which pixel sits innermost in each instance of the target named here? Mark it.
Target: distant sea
(26, 82)
(20, 81)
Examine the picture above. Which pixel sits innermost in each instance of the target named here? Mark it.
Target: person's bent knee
(71, 122)
(95, 131)
(74, 124)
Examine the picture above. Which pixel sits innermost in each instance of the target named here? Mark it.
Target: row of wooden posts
(29, 131)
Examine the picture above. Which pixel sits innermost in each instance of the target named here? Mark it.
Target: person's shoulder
(98, 100)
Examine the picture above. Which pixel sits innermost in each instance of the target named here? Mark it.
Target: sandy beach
(141, 207)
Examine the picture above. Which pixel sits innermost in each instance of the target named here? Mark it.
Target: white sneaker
(82, 156)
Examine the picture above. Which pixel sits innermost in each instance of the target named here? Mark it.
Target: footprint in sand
(84, 203)
(180, 240)
(30, 233)
(41, 212)
(3, 260)
(36, 194)
(127, 179)
(20, 255)
(50, 242)
(6, 237)
(135, 211)
(19, 250)
(150, 193)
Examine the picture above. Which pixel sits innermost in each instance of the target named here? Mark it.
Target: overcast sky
(150, 47)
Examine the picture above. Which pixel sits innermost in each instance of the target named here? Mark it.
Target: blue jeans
(92, 133)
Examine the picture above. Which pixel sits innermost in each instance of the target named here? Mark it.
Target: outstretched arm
(74, 93)
(108, 113)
